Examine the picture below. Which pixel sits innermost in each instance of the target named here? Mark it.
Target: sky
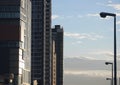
(88, 39)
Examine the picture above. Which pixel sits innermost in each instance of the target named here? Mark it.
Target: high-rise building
(15, 42)
(41, 41)
(57, 36)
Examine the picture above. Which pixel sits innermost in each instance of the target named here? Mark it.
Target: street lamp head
(108, 79)
(108, 63)
(104, 14)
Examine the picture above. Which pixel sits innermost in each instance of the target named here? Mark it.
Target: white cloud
(91, 36)
(62, 17)
(78, 71)
(96, 54)
(115, 6)
(110, 4)
(77, 42)
(55, 16)
(109, 1)
(91, 73)
(103, 52)
(83, 64)
(93, 15)
(118, 14)
(118, 22)
(97, 15)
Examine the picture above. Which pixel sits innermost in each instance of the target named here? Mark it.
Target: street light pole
(110, 80)
(103, 15)
(115, 61)
(111, 72)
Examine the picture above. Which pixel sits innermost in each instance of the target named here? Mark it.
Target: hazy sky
(87, 37)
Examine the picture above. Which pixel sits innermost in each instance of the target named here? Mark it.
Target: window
(9, 15)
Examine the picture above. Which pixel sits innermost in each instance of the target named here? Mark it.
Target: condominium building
(41, 41)
(15, 42)
(57, 36)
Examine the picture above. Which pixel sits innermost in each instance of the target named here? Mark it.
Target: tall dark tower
(15, 42)
(57, 36)
(41, 41)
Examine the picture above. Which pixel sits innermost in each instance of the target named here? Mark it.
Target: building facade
(41, 41)
(57, 36)
(15, 42)
(53, 72)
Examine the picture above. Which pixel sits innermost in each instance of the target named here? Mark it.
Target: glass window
(9, 15)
